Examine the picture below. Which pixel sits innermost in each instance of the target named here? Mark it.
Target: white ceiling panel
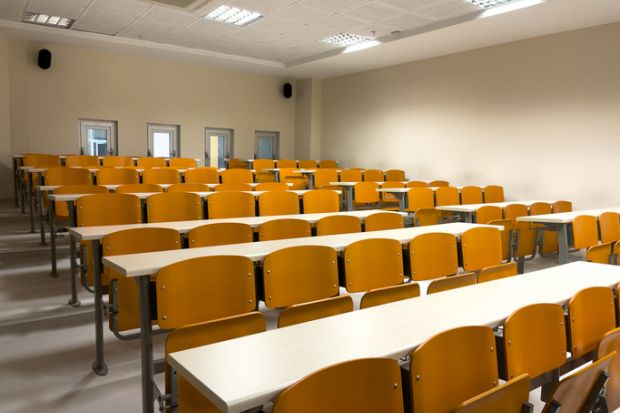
(265, 7)
(408, 5)
(407, 22)
(62, 8)
(12, 9)
(339, 23)
(273, 25)
(444, 10)
(332, 6)
(374, 12)
(300, 15)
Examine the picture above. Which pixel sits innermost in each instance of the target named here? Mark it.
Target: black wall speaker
(45, 59)
(287, 90)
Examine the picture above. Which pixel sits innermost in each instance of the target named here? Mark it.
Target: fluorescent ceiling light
(346, 39)
(233, 15)
(361, 46)
(485, 4)
(47, 20)
(517, 5)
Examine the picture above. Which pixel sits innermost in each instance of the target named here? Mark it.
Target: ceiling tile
(12, 9)
(62, 8)
(300, 15)
(407, 22)
(409, 5)
(445, 10)
(265, 7)
(373, 12)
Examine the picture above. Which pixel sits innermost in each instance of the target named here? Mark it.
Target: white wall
(540, 116)
(6, 183)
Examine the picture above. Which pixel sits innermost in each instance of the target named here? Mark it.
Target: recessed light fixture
(47, 20)
(233, 15)
(485, 4)
(346, 39)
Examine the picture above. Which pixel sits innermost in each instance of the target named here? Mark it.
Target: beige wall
(540, 116)
(5, 127)
(133, 90)
(308, 113)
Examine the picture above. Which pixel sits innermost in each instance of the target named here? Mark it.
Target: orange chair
(183, 163)
(307, 164)
(161, 176)
(325, 177)
(493, 193)
(188, 187)
(419, 197)
(138, 188)
(117, 176)
(81, 161)
(592, 313)
(609, 224)
(383, 220)
(416, 184)
(447, 195)
(118, 161)
(287, 163)
(471, 195)
(338, 224)
(395, 175)
(237, 176)
(202, 176)
(562, 206)
(314, 310)
(481, 248)
(148, 162)
(488, 213)
(365, 194)
(222, 233)
(284, 228)
(327, 163)
(433, 255)
(439, 183)
(351, 175)
(374, 175)
(272, 186)
(387, 198)
(173, 206)
(373, 263)
(317, 201)
(585, 231)
(229, 204)
(384, 295)
(278, 203)
(549, 238)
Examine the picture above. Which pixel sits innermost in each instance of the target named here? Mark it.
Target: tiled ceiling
(290, 31)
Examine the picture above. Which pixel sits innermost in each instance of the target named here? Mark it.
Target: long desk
(468, 211)
(283, 356)
(560, 223)
(142, 266)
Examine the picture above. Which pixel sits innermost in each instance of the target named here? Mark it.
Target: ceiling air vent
(183, 4)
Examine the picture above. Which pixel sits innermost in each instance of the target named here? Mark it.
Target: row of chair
(455, 371)
(260, 164)
(45, 160)
(599, 236)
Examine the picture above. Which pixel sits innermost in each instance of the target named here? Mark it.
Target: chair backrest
(488, 213)
(585, 231)
(562, 206)
(506, 235)
(394, 175)
(592, 313)
(173, 206)
(497, 272)
(137, 188)
(150, 162)
(183, 163)
(471, 195)
(260, 164)
(439, 183)
(278, 203)
(416, 184)
(132, 241)
(40, 159)
(232, 186)
(283, 229)
(433, 255)
(338, 224)
(493, 193)
(387, 197)
(373, 263)
(327, 307)
(239, 176)
(351, 175)
(67, 176)
(577, 392)
(525, 330)
(117, 176)
(513, 211)
(118, 161)
(610, 343)
(447, 195)
(366, 192)
(328, 163)
(202, 176)
(601, 253)
(61, 207)
(301, 274)
(108, 209)
(540, 208)
(200, 335)
(81, 160)
(317, 201)
(188, 187)
(231, 205)
(235, 163)
(222, 233)
(161, 176)
(420, 197)
(324, 177)
(451, 282)
(383, 220)
(481, 247)
(363, 385)
(385, 295)
(451, 367)
(609, 224)
(508, 397)
(427, 216)
(374, 175)
(307, 164)
(203, 289)
(287, 163)
(272, 186)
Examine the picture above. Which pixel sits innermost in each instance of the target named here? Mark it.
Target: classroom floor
(48, 346)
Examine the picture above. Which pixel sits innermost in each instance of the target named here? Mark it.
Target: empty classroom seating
(202, 176)
(327, 307)
(293, 177)
(585, 231)
(351, 175)
(81, 161)
(278, 203)
(61, 209)
(238, 176)
(610, 343)
(188, 187)
(394, 175)
(117, 176)
(136, 188)
(272, 186)
(41, 160)
(427, 216)
(173, 206)
(509, 397)
(481, 248)
(328, 163)
(374, 175)
(324, 177)
(471, 195)
(231, 204)
(389, 294)
(261, 164)
(488, 213)
(307, 164)
(387, 198)
(365, 194)
(416, 184)
(182, 163)
(609, 224)
(117, 161)
(447, 195)
(562, 206)
(549, 238)
(220, 234)
(493, 193)
(338, 224)
(232, 186)
(592, 313)
(67, 176)
(451, 282)
(420, 197)
(148, 162)
(364, 385)
(301, 274)
(373, 263)
(383, 220)
(439, 183)
(317, 201)
(284, 228)
(287, 163)
(433, 255)
(497, 272)
(161, 176)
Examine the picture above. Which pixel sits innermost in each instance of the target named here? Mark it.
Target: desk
(400, 193)
(283, 356)
(560, 223)
(17, 160)
(468, 211)
(142, 266)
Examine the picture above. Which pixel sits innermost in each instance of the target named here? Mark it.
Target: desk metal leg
(31, 201)
(146, 342)
(562, 244)
(349, 192)
(15, 181)
(74, 272)
(41, 220)
(402, 201)
(51, 215)
(311, 181)
(21, 190)
(99, 366)
(277, 176)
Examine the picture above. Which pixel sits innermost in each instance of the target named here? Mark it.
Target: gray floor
(47, 346)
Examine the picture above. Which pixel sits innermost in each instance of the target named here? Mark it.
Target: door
(266, 145)
(163, 141)
(98, 138)
(218, 147)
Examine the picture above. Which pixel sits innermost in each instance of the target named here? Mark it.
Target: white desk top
(474, 207)
(566, 217)
(98, 232)
(394, 190)
(151, 262)
(144, 195)
(114, 186)
(283, 356)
